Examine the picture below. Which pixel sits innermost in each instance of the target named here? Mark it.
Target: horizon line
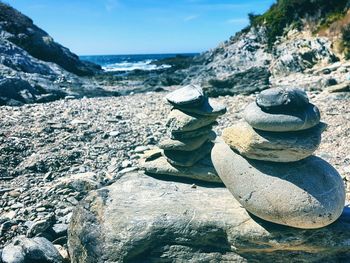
(133, 54)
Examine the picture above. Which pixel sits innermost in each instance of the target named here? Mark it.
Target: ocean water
(124, 63)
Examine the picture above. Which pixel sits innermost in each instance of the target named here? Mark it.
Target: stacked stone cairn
(267, 164)
(186, 150)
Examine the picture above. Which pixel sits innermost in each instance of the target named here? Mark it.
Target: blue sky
(140, 26)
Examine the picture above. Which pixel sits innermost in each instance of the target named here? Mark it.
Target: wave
(129, 66)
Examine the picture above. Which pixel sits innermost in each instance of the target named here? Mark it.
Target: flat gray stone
(281, 122)
(202, 170)
(187, 95)
(208, 107)
(273, 146)
(38, 249)
(187, 159)
(142, 219)
(187, 144)
(307, 194)
(293, 99)
(179, 121)
(192, 134)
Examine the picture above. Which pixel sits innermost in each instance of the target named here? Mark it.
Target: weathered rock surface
(179, 121)
(202, 170)
(187, 159)
(293, 99)
(142, 219)
(38, 249)
(281, 121)
(186, 144)
(188, 95)
(305, 194)
(273, 146)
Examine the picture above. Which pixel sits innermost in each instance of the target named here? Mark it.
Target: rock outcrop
(143, 219)
(34, 68)
(21, 31)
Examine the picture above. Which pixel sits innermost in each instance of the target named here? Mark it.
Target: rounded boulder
(305, 194)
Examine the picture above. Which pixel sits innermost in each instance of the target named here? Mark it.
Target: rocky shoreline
(53, 154)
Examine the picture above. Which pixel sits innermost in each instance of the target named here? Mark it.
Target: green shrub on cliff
(345, 41)
(290, 12)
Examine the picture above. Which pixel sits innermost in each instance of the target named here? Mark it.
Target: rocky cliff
(301, 43)
(34, 68)
(20, 30)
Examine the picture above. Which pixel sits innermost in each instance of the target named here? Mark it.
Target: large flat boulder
(143, 219)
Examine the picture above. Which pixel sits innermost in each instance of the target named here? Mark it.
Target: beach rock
(203, 170)
(186, 144)
(187, 159)
(341, 87)
(281, 121)
(179, 121)
(273, 146)
(38, 249)
(192, 134)
(142, 219)
(187, 95)
(293, 99)
(307, 194)
(208, 108)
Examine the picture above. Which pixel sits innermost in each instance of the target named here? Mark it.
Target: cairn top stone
(187, 95)
(281, 121)
(293, 99)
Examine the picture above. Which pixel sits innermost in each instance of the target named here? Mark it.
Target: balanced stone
(179, 121)
(188, 95)
(208, 108)
(306, 194)
(281, 121)
(203, 170)
(186, 144)
(188, 159)
(282, 98)
(273, 146)
(191, 134)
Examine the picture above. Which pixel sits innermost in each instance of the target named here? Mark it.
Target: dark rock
(60, 229)
(330, 82)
